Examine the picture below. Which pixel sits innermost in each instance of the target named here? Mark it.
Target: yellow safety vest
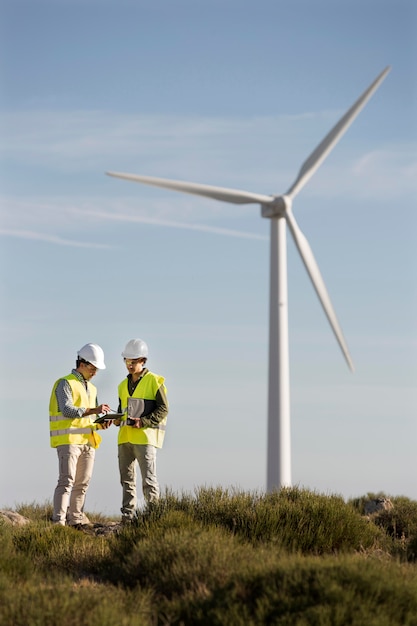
(80, 430)
(147, 389)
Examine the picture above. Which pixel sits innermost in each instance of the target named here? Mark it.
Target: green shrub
(399, 523)
(294, 519)
(293, 558)
(36, 512)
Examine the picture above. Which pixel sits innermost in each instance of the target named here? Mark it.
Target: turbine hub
(277, 207)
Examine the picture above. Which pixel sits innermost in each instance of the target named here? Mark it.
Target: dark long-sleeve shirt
(161, 410)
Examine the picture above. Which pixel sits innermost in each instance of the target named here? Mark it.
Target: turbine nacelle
(278, 207)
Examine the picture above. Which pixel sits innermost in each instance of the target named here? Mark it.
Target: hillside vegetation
(216, 557)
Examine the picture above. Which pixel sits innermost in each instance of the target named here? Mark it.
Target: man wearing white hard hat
(74, 435)
(143, 402)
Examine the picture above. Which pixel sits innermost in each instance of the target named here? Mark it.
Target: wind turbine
(279, 210)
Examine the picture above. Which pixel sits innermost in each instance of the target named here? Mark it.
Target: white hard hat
(135, 349)
(92, 353)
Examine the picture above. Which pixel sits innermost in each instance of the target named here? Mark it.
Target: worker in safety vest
(74, 435)
(143, 402)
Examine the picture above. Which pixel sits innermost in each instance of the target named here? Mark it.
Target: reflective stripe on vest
(72, 431)
(147, 389)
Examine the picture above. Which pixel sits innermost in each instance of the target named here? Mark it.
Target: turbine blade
(217, 193)
(318, 282)
(312, 163)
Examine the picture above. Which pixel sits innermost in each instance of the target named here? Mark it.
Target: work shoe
(88, 526)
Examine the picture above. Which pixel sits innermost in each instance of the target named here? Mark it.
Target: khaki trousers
(76, 464)
(145, 455)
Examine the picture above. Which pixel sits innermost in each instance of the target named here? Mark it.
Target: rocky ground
(102, 528)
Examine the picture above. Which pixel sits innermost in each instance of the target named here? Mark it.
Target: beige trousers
(76, 464)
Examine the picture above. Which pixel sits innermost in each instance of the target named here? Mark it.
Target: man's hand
(102, 408)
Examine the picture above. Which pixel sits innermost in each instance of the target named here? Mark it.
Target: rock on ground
(378, 504)
(13, 518)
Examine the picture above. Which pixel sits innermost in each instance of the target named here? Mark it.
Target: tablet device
(108, 417)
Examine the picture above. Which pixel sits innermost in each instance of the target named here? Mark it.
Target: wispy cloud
(102, 215)
(51, 217)
(401, 161)
(47, 219)
(34, 236)
(262, 154)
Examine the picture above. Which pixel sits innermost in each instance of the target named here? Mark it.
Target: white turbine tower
(279, 210)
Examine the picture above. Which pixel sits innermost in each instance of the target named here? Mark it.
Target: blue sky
(230, 93)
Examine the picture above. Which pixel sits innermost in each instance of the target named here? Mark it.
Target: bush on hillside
(289, 558)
